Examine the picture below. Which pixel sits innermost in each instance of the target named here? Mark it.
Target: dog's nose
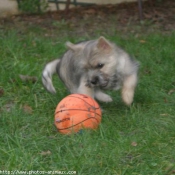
(94, 80)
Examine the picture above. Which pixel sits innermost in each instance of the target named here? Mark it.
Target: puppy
(93, 66)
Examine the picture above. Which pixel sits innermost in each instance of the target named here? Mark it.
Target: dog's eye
(100, 65)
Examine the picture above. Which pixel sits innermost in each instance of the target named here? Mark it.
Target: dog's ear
(73, 47)
(103, 45)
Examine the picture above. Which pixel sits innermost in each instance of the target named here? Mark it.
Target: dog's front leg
(84, 89)
(101, 96)
(128, 88)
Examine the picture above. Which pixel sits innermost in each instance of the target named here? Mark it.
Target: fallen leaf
(142, 41)
(12, 80)
(26, 78)
(148, 15)
(28, 109)
(134, 143)
(147, 71)
(1, 92)
(164, 114)
(45, 153)
(165, 100)
(90, 11)
(173, 172)
(9, 106)
(171, 91)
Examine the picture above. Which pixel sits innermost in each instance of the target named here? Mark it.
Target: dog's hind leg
(128, 88)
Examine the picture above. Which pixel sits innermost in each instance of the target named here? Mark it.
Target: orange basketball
(76, 112)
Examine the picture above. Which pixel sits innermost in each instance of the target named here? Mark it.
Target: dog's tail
(48, 71)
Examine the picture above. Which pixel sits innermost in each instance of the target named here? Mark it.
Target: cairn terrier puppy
(92, 66)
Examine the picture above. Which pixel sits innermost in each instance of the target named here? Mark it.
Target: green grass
(129, 141)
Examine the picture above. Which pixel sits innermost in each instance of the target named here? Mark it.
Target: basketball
(76, 112)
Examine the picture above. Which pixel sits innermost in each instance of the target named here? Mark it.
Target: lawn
(136, 140)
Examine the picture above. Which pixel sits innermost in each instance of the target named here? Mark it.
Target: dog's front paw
(103, 97)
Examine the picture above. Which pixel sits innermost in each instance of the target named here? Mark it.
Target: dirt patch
(158, 15)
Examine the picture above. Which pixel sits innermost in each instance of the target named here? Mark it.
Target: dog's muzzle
(97, 81)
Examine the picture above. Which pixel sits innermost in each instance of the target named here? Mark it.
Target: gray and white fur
(93, 66)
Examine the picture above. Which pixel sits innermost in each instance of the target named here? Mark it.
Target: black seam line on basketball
(93, 101)
(79, 123)
(81, 99)
(77, 109)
